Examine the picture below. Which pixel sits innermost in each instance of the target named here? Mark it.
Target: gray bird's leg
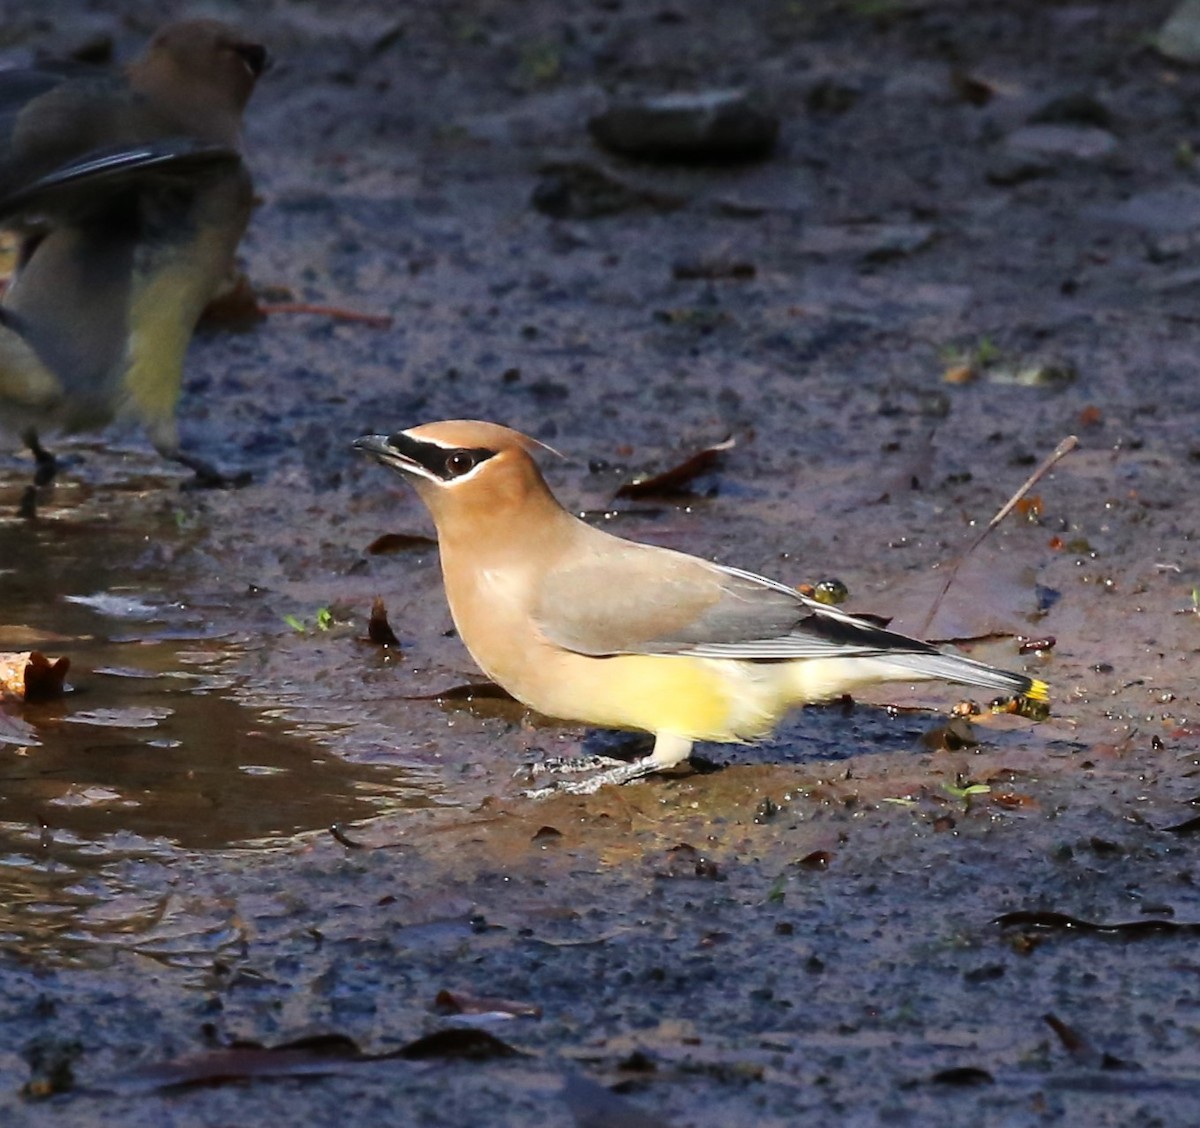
(669, 750)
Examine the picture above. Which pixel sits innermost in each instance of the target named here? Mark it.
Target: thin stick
(1057, 455)
(374, 320)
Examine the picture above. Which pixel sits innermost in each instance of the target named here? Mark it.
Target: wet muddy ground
(810, 930)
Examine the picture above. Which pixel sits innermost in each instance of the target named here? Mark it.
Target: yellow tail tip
(1037, 691)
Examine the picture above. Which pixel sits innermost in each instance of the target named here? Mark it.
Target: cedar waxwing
(579, 624)
(128, 196)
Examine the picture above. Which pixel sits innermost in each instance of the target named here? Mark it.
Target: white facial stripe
(429, 442)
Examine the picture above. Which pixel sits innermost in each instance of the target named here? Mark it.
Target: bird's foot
(617, 772)
(47, 466)
(27, 508)
(567, 765)
(208, 477)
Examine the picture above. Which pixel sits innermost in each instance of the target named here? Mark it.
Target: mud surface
(809, 933)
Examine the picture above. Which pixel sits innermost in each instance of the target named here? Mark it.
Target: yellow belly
(701, 699)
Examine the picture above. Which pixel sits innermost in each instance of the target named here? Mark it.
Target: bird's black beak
(380, 448)
(256, 57)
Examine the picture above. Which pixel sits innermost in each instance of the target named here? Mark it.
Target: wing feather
(646, 600)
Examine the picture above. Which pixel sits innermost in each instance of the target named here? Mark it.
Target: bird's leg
(47, 464)
(43, 475)
(27, 507)
(669, 750)
(208, 477)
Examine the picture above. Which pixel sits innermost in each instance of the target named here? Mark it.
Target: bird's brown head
(203, 72)
(471, 475)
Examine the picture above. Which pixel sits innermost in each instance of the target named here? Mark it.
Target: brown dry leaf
(960, 374)
(31, 676)
(379, 630)
(817, 860)
(459, 1042)
(679, 477)
(308, 1057)
(235, 308)
(399, 542)
(971, 88)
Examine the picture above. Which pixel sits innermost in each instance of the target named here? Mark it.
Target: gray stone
(1179, 36)
(1078, 142)
(579, 190)
(719, 126)
(870, 242)
(1075, 107)
(1159, 211)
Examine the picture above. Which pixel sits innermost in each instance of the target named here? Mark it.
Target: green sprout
(322, 622)
(967, 791)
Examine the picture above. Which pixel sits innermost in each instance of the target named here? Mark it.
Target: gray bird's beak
(378, 447)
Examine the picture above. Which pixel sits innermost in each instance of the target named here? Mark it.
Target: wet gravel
(1004, 193)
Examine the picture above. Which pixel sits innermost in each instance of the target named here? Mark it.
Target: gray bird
(127, 193)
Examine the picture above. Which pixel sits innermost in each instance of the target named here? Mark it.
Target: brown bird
(582, 625)
(128, 196)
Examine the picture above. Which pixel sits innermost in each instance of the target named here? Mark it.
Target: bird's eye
(458, 463)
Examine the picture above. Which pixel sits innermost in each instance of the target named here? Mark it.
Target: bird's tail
(955, 668)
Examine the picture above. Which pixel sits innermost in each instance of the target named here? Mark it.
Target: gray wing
(645, 600)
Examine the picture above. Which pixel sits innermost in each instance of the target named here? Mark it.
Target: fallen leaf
(320, 1055)
(399, 542)
(379, 630)
(817, 860)
(963, 1075)
(463, 1002)
(31, 676)
(317, 1056)
(1048, 921)
(677, 478)
(971, 88)
(236, 308)
(461, 1043)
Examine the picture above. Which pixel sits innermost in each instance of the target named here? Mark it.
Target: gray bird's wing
(644, 600)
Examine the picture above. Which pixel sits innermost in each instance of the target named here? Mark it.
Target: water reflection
(149, 757)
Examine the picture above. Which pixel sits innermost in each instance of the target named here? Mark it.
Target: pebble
(717, 126)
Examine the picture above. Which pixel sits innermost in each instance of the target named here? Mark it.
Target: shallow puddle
(149, 754)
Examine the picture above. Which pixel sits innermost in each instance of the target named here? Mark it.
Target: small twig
(374, 320)
(339, 835)
(1060, 452)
